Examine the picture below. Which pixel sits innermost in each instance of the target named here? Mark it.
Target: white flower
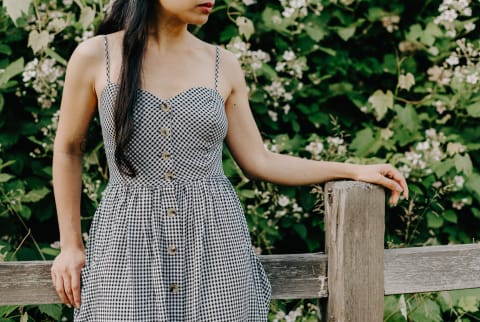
(459, 181)
(315, 148)
(437, 184)
(422, 146)
(405, 170)
(273, 115)
(283, 201)
(458, 205)
(469, 26)
(453, 60)
(335, 140)
(449, 15)
(288, 12)
(249, 2)
(289, 55)
(472, 78)
(431, 133)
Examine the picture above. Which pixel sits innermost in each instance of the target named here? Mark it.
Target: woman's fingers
(392, 173)
(67, 283)
(76, 289)
(59, 287)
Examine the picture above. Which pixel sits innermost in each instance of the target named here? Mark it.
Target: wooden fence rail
(354, 273)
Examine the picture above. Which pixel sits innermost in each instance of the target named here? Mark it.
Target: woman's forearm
(294, 171)
(67, 185)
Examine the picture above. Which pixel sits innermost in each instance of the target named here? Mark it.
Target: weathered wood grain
(296, 276)
(432, 268)
(407, 270)
(26, 283)
(355, 224)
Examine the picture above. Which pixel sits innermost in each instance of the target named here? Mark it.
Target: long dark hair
(134, 17)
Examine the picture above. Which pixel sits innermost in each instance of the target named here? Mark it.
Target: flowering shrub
(342, 80)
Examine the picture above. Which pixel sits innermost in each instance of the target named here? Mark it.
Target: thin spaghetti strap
(217, 58)
(107, 60)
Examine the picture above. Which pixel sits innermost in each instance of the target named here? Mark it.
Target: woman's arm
(246, 145)
(76, 111)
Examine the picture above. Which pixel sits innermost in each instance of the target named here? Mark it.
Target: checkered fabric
(171, 244)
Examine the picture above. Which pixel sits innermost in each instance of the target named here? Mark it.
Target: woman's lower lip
(205, 9)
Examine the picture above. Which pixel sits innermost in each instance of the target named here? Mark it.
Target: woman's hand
(66, 274)
(385, 175)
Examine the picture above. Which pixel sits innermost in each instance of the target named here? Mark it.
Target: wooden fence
(354, 273)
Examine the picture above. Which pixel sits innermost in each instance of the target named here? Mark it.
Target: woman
(169, 240)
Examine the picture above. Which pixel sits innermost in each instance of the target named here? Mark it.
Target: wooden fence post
(354, 227)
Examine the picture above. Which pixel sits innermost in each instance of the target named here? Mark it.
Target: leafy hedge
(344, 80)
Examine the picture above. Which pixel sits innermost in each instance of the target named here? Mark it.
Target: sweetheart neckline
(183, 92)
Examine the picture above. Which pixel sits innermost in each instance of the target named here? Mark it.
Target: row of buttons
(171, 212)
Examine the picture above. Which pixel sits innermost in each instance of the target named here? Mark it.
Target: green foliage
(343, 80)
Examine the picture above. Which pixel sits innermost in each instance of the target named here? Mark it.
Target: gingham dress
(171, 244)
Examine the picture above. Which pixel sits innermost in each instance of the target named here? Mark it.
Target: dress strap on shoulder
(217, 67)
(107, 60)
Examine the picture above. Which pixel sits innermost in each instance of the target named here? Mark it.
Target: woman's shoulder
(94, 47)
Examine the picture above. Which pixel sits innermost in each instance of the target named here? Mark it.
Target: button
(169, 175)
(174, 288)
(172, 249)
(171, 212)
(166, 155)
(165, 131)
(165, 107)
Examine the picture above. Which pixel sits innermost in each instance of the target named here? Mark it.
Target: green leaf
(24, 317)
(434, 220)
(50, 251)
(391, 309)
(247, 193)
(245, 27)
(36, 195)
(38, 40)
(473, 184)
(381, 102)
(463, 164)
(375, 13)
(4, 177)
(269, 15)
(15, 8)
(25, 212)
(450, 216)
(474, 109)
(52, 310)
(363, 141)
(469, 303)
(5, 49)
(442, 167)
(431, 32)
(12, 70)
(426, 310)
(315, 32)
(409, 118)
(55, 56)
(346, 33)
(414, 33)
(7, 309)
